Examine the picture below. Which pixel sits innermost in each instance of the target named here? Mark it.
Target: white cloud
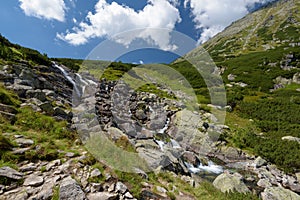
(110, 19)
(47, 9)
(213, 16)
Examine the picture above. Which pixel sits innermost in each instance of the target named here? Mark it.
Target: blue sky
(73, 28)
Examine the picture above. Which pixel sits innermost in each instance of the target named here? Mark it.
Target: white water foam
(211, 168)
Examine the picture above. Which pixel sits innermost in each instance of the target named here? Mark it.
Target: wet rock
(278, 193)
(10, 173)
(230, 182)
(70, 189)
(33, 180)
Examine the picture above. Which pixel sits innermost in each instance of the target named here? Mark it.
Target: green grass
(276, 115)
(48, 134)
(205, 190)
(7, 97)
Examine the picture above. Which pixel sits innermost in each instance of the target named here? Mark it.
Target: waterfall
(68, 77)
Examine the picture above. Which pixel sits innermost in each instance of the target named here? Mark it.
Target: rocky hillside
(96, 134)
(52, 146)
(52, 142)
(264, 44)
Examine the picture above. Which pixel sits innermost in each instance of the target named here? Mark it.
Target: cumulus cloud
(211, 17)
(109, 19)
(47, 9)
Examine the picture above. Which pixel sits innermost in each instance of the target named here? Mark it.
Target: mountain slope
(259, 60)
(269, 28)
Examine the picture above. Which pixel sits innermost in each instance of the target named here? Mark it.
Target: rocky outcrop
(165, 134)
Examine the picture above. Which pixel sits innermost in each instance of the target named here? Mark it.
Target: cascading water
(68, 77)
(210, 168)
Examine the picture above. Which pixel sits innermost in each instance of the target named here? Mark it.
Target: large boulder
(227, 182)
(279, 193)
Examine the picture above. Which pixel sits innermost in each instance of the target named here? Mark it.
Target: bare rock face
(70, 189)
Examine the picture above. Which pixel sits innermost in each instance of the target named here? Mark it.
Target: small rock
(258, 162)
(264, 183)
(51, 164)
(111, 187)
(33, 180)
(121, 188)
(128, 195)
(70, 154)
(161, 189)
(107, 176)
(10, 173)
(96, 173)
(24, 142)
(20, 151)
(96, 187)
(28, 167)
(102, 196)
(70, 189)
